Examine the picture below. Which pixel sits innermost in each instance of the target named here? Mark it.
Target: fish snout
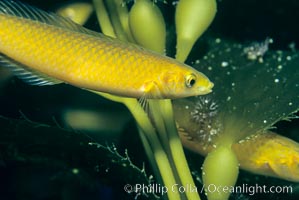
(206, 89)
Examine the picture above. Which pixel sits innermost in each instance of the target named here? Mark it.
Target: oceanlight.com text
(250, 189)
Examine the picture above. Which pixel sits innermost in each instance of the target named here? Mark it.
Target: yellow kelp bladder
(147, 25)
(192, 18)
(78, 12)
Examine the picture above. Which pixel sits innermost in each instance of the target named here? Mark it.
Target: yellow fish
(267, 154)
(44, 49)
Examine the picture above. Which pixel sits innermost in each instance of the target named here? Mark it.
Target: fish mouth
(206, 89)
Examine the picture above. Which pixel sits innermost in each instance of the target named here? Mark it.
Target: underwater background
(46, 133)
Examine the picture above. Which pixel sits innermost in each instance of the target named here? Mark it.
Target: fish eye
(190, 80)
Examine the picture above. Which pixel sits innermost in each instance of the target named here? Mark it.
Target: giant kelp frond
(251, 94)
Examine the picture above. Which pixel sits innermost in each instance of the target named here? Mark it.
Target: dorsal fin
(25, 11)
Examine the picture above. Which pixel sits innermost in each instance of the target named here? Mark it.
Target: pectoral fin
(26, 74)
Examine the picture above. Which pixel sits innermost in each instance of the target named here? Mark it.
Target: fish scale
(53, 48)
